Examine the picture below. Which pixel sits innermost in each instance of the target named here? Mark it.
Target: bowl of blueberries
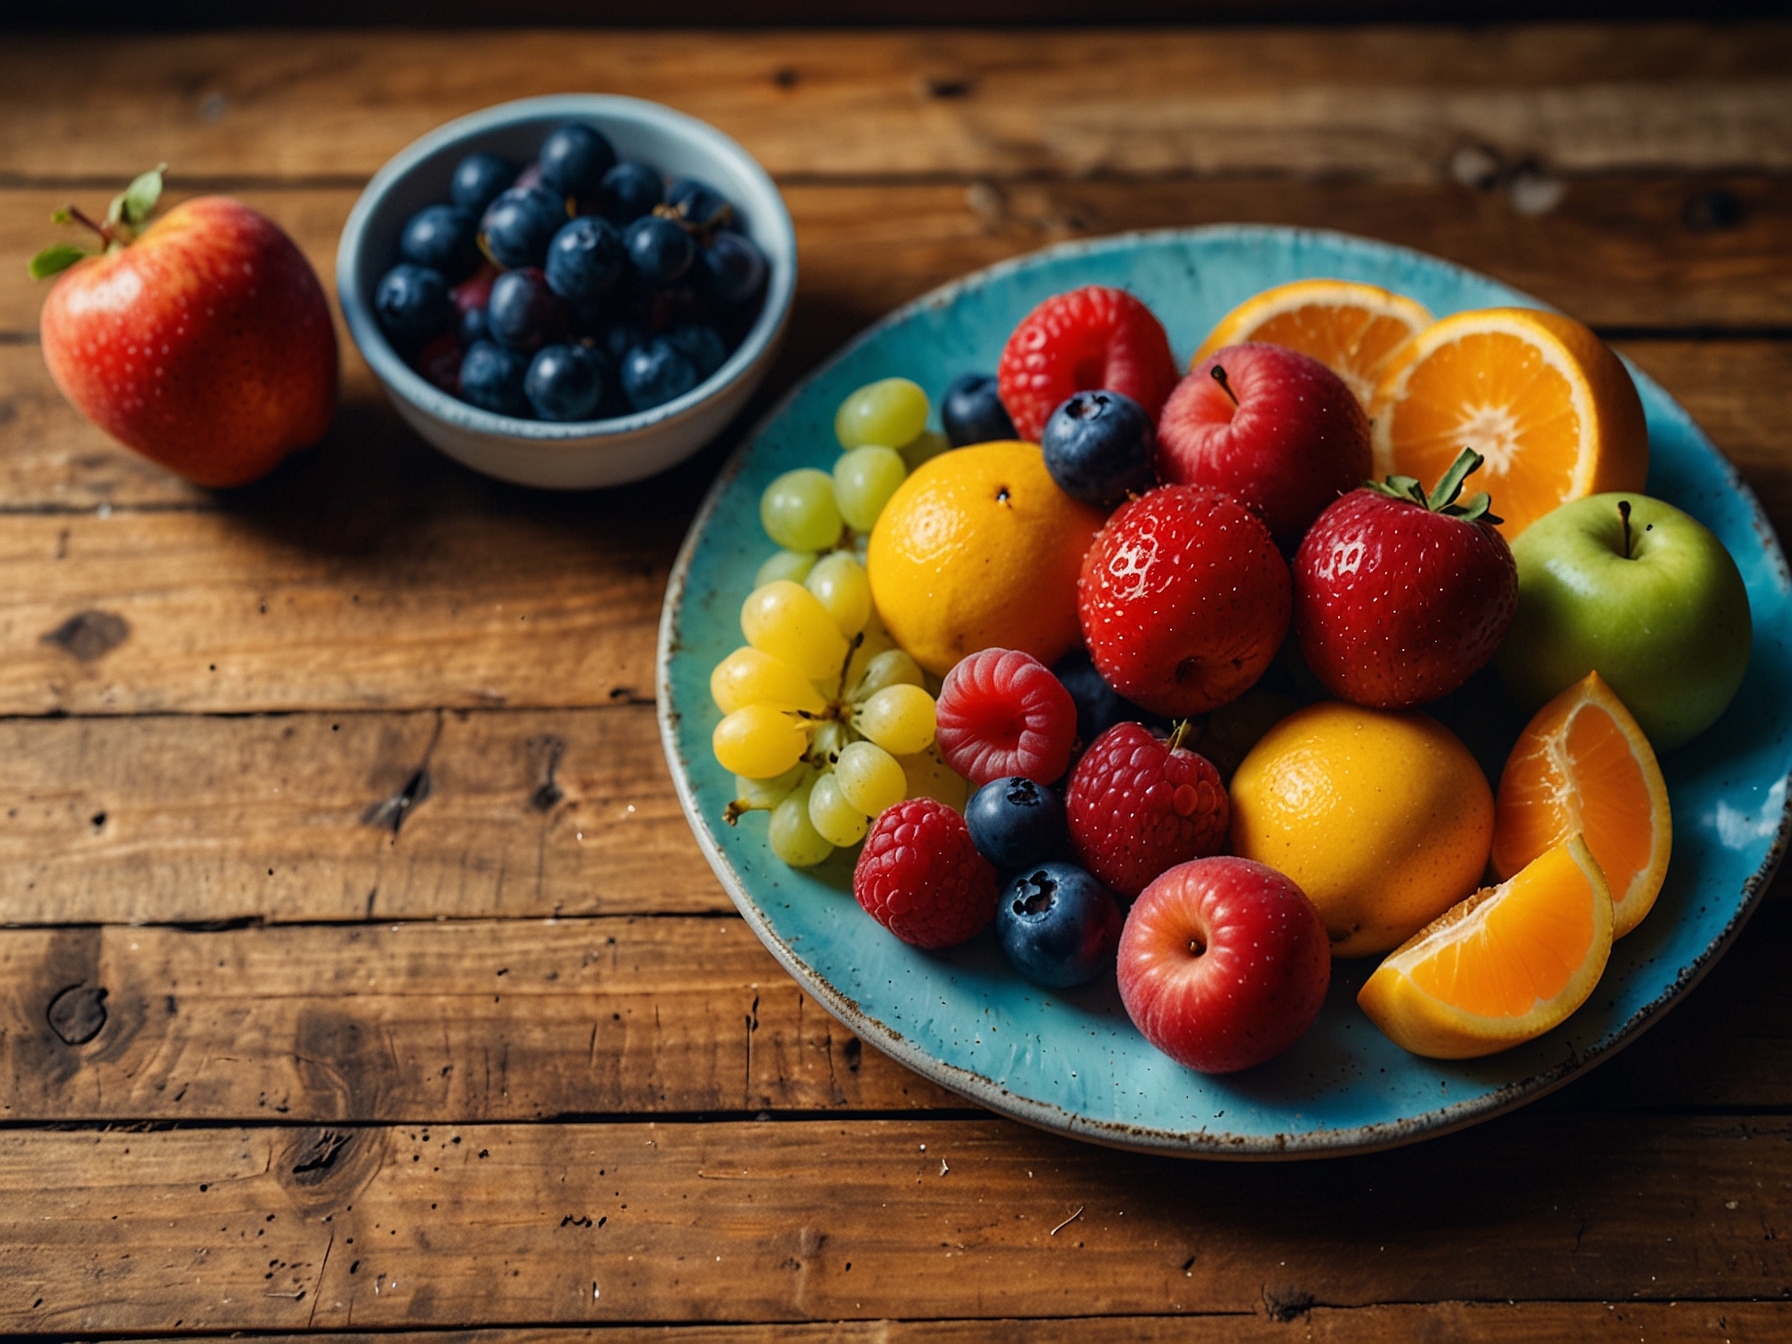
(570, 291)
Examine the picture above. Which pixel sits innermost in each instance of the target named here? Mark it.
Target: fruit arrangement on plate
(1221, 690)
(576, 287)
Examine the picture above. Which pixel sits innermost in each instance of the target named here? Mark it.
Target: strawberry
(1084, 340)
(1183, 599)
(1399, 597)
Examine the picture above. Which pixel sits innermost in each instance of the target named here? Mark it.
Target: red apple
(1223, 963)
(1183, 600)
(1270, 425)
(204, 344)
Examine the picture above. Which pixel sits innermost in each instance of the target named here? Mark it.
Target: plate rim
(1044, 1115)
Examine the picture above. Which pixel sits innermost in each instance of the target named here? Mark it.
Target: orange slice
(1583, 766)
(1503, 966)
(1354, 330)
(1538, 395)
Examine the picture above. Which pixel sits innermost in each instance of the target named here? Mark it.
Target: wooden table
(360, 971)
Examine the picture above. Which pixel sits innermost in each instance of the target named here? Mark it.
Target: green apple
(1640, 592)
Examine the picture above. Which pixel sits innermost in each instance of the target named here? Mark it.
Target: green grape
(793, 836)
(898, 718)
(924, 449)
(749, 676)
(870, 778)
(891, 667)
(930, 777)
(891, 411)
(759, 741)
(787, 621)
(792, 565)
(835, 820)
(761, 795)
(873, 640)
(798, 512)
(864, 480)
(839, 583)
(828, 740)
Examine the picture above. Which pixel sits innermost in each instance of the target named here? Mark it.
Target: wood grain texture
(1626, 250)
(478, 1021)
(460, 1022)
(1275, 1321)
(341, 1227)
(1389, 103)
(177, 819)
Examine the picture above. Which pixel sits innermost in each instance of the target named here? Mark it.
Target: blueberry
(972, 412)
(1100, 446)
(473, 327)
(586, 259)
(564, 382)
(574, 159)
(441, 238)
(628, 191)
(413, 305)
(699, 204)
(492, 377)
(733, 269)
(1098, 705)
(704, 346)
(660, 250)
(478, 179)
(618, 339)
(519, 225)
(1015, 822)
(655, 372)
(1058, 926)
(524, 314)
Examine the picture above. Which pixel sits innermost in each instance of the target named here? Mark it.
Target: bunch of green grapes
(825, 721)
(817, 726)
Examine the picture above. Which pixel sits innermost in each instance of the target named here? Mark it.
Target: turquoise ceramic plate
(1072, 1062)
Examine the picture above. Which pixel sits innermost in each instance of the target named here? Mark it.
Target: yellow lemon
(1382, 818)
(979, 549)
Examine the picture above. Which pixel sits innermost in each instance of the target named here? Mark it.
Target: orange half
(1540, 397)
(1583, 766)
(1355, 330)
(1502, 967)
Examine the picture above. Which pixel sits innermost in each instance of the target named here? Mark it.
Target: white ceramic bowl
(539, 452)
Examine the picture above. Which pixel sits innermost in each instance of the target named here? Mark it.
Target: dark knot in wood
(77, 1013)
(314, 1162)
(90, 634)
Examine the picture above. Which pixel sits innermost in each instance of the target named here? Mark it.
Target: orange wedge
(1540, 397)
(1503, 966)
(1583, 766)
(1354, 330)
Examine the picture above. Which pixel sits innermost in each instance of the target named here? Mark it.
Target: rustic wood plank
(344, 817)
(1390, 103)
(446, 1023)
(478, 1021)
(1629, 251)
(346, 580)
(291, 1229)
(1400, 1323)
(372, 573)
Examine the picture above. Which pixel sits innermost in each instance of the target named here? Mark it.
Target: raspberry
(1082, 341)
(1139, 805)
(1001, 713)
(922, 879)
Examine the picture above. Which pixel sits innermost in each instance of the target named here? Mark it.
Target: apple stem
(80, 216)
(1219, 376)
(1624, 513)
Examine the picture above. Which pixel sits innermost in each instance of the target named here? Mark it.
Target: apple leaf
(55, 258)
(135, 204)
